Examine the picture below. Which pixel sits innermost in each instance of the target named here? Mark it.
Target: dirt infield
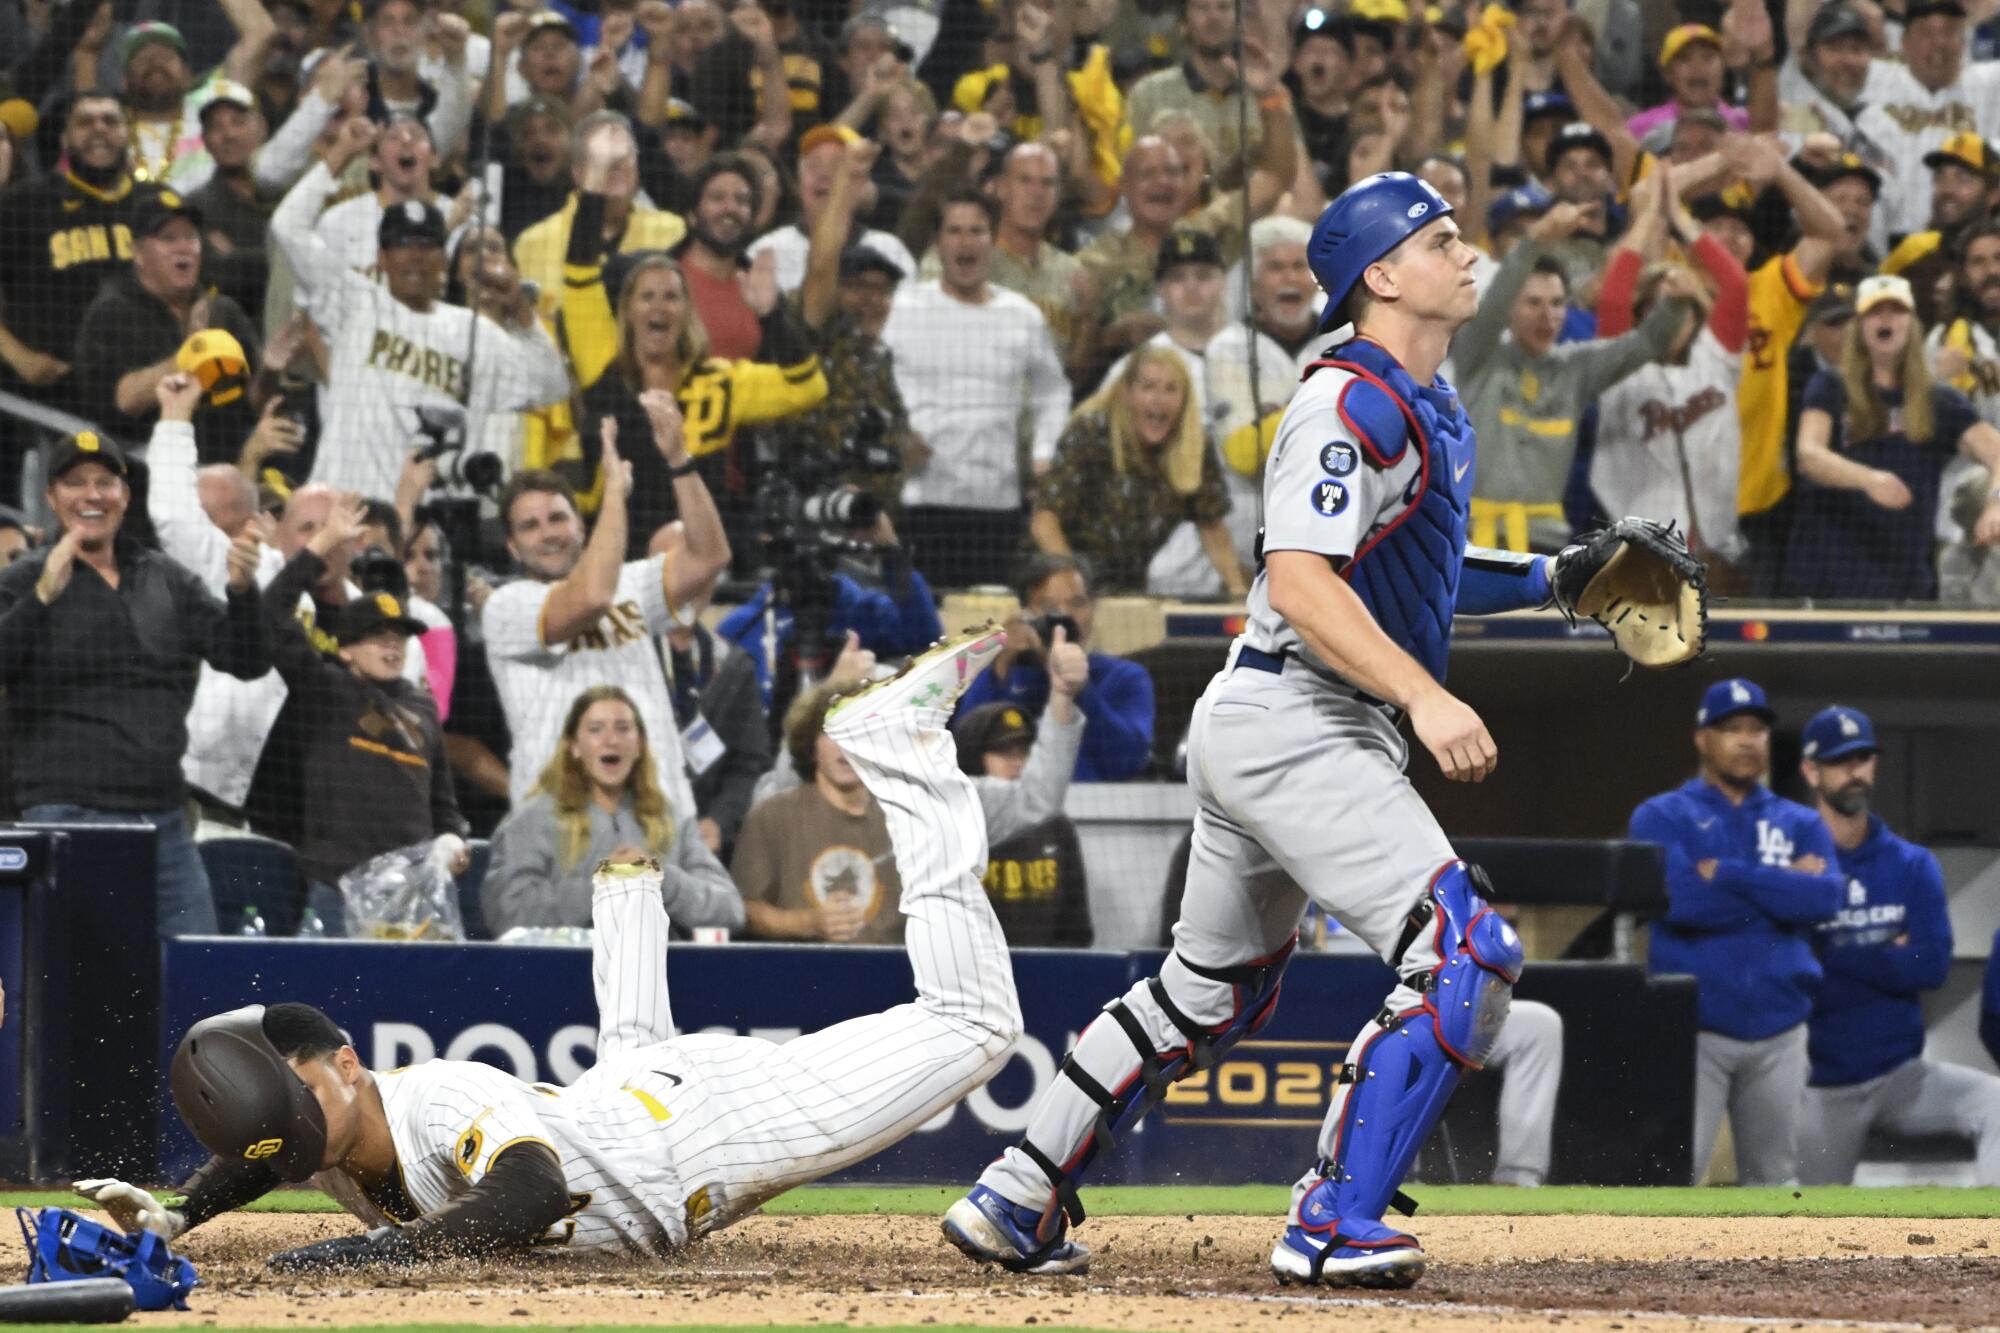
(1194, 1273)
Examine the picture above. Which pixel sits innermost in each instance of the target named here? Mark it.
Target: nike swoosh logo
(1458, 473)
(674, 1079)
(1703, 823)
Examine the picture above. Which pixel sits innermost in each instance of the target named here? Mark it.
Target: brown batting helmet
(242, 1100)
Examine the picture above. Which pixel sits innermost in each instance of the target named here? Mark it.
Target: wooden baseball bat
(90, 1300)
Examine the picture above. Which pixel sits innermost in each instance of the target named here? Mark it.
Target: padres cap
(1835, 304)
(216, 360)
(1880, 288)
(994, 726)
(154, 209)
(228, 92)
(1686, 35)
(1845, 166)
(684, 115)
(862, 257)
(412, 222)
(1726, 698)
(826, 134)
(1580, 134)
(1183, 247)
(242, 1100)
(1964, 149)
(87, 446)
(1837, 732)
(372, 613)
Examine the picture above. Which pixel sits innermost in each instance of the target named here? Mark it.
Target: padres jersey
(538, 680)
(1908, 120)
(59, 240)
(1323, 493)
(451, 1119)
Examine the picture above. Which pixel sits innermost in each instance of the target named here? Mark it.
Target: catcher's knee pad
(1118, 1063)
(1464, 959)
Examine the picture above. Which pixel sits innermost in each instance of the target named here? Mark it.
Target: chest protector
(1407, 573)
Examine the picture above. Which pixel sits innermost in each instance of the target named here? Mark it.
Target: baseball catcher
(666, 1137)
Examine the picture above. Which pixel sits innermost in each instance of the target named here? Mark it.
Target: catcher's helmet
(242, 1100)
(1369, 219)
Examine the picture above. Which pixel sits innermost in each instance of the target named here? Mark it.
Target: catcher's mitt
(1638, 579)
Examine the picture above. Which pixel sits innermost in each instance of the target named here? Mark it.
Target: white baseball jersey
(389, 360)
(668, 1137)
(538, 681)
(1909, 120)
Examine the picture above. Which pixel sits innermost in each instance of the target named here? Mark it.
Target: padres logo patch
(1012, 717)
(1338, 458)
(387, 605)
(1329, 498)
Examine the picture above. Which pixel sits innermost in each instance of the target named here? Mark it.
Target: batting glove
(132, 1208)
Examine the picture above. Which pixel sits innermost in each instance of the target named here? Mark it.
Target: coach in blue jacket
(1890, 943)
(1749, 874)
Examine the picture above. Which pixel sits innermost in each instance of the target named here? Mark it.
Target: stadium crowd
(443, 368)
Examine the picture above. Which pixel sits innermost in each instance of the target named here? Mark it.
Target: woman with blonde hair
(600, 797)
(1873, 442)
(1132, 465)
(653, 339)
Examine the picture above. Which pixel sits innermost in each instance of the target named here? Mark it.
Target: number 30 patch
(1329, 498)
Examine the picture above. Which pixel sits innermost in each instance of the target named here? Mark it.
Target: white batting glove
(132, 1208)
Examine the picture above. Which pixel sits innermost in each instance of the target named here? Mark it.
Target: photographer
(394, 347)
(1116, 697)
(818, 595)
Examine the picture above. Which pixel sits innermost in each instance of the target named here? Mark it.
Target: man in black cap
(1853, 187)
(532, 146)
(134, 331)
(1821, 83)
(1034, 869)
(1581, 173)
(99, 641)
(1965, 191)
(395, 349)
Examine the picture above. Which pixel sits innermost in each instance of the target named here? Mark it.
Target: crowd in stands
(442, 369)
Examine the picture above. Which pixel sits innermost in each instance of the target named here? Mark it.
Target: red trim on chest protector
(1423, 456)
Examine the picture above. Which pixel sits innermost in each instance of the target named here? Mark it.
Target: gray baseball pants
(1916, 1097)
(1529, 1059)
(1301, 794)
(1758, 1083)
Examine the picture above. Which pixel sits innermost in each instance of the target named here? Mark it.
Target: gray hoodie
(526, 884)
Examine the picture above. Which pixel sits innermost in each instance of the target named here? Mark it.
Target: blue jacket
(1745, 934)
(1117, 707)
(1890, 943)
(888, 628)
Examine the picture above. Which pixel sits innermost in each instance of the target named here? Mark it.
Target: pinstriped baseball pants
(764, 1117)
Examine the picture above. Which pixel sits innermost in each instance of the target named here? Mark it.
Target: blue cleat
(990, 1230)
(1319, 1247)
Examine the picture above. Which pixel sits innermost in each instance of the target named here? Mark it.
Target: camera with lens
(443, 429)
(375, 570)
(814, 494)
(1045, 628)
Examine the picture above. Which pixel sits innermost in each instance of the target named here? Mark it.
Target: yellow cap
(216, 359)
(1680, 38)
(825, 134)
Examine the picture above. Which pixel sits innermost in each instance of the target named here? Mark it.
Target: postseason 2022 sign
(1253, 1117)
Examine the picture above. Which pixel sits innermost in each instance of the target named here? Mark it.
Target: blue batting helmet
(1369, 219)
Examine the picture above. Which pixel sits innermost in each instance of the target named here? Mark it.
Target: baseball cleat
(989, 1230)
(934, 678)
(1319, 1247)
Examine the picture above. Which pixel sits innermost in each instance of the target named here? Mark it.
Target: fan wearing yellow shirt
(653, 339)
(624, 226)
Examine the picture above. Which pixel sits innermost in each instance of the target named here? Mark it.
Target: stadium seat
(254, 872)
